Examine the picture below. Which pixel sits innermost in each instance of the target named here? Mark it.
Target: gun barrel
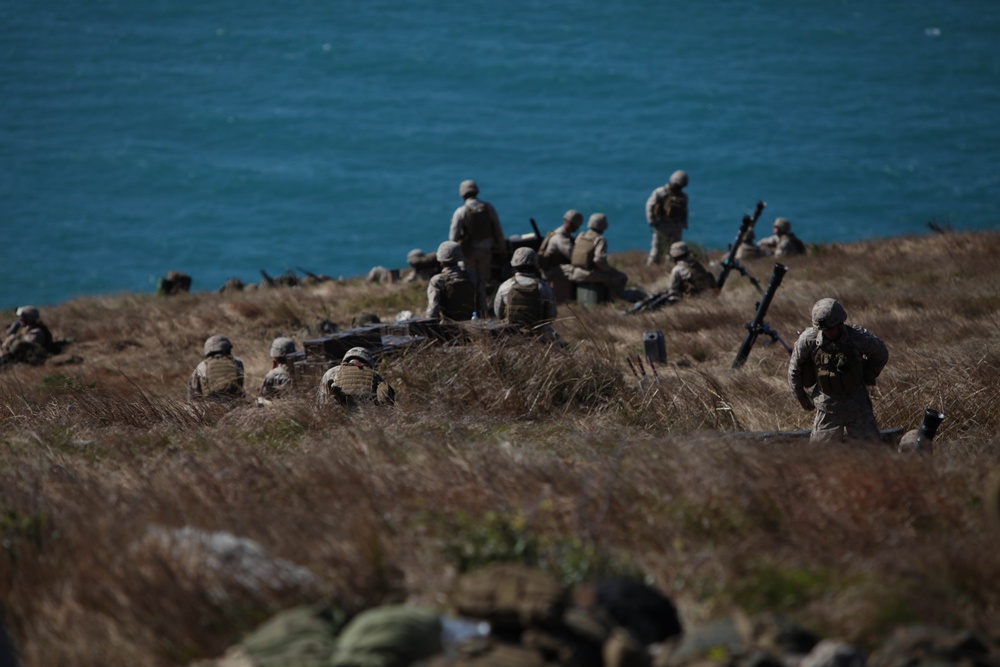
(756, 326)
(928, 427)
(746, 225)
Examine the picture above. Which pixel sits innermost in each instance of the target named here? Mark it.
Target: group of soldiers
(221, 377)
(832, 363)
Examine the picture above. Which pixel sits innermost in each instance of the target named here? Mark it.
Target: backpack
(524, 305)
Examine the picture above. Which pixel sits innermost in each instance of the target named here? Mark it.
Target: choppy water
(220, 138)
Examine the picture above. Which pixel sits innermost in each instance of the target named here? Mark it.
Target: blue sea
(221, 138)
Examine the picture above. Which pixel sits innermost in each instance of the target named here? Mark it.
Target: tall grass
(506, 449)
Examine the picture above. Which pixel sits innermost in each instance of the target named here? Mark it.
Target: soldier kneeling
(355, 381)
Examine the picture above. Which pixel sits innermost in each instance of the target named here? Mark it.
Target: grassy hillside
(506, 449)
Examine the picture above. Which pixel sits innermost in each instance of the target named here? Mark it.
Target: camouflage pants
(851, 417)
(663, 238)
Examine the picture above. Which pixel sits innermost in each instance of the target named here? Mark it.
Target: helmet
(28, 314)
(217, 345)
(679, 178)
(414, 256)
(468, 189)
(782, 225)
(449, 252)
(360, 354)
(524, 258)
(828, 313)
(679, 250)
(598, 222)
(282, 347)
(573, 217)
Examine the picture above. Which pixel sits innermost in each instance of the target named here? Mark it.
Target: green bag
(392, 636)
(299, 637)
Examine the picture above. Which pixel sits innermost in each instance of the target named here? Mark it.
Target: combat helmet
(360, 354)
(598, 222)
(28, 314)
(679, 250)
(782, 225)
(468, 189)
(573, 217)
(524, 258)
(449, 252)
(679, 179)
(828, 313)
(217, 344)
(282, 347)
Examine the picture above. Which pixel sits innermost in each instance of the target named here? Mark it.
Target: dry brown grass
(506, 449)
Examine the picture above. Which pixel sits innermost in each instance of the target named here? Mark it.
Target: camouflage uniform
(839, 370)
(278, 380)
(455, 293)
(667, 215)
(355, 381)
(525, 299)
(219, 375)
(782, 243)
(590, 258)
(476, 226)
(28, 339)
(688, 276)
(555, 256)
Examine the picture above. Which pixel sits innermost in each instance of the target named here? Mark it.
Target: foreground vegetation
(505, 450)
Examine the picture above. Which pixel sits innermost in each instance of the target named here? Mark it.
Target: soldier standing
(476, 226)
(667, 215)
(455, 293)
(219, 376)
(355, 381)
(839, 361)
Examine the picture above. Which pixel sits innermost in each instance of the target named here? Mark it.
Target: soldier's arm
(384, 393)
(194, 382)
(500, 302)
(434, 298)
(455, 231)
(240, 373)
(601, 254)
(875, 351)
(797, 372)
(651, 206)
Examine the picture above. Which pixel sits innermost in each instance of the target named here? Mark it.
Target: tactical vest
(524, 305)
(356, 381)
(478, 223)
(222, 377)
(839, 367)
(459, 294)
(701, 279)
(672, 208)
(583, 250)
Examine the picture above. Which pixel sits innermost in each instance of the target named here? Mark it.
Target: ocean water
(221, 138)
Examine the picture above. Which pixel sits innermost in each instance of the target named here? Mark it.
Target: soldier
(28, 340)
(749, 250)
(782, 243)
(455, 293)
(355, 381)
(278, 380)
(476, 226)
(557, 246)
(219, 376)
(689, 276)
(590, 258)
(667, 215)
(839, 361)
(525, 299)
